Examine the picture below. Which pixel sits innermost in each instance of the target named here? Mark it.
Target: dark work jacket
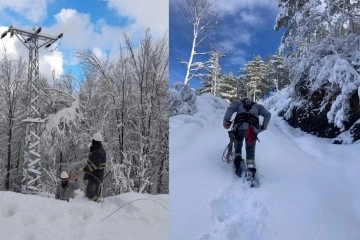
(95, 167)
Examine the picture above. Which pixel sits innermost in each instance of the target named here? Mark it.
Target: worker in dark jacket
(65, 189)
(246, 126)
(95, 167)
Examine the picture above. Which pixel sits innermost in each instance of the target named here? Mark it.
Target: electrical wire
(52, 13)
(140, 199)
(4, 46)
(71, 24)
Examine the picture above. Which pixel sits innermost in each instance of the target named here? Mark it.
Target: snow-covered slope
(309, 187)
(28, 217)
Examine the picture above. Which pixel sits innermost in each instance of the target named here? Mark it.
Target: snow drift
(26, 217)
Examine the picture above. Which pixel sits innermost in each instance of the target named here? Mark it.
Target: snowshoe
(250, 176)
(229, 153)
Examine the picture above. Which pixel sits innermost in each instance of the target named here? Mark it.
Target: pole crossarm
(33, 40)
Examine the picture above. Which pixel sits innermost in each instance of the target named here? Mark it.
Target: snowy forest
(125, 98)
(316, 67)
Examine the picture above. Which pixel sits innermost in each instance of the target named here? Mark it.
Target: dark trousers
(92, 190)
(249, 147)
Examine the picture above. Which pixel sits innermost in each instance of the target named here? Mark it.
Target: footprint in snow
(9, 209)
(88, 213)
(239, 216)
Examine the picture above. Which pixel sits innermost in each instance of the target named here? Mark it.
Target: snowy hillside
(28, 217)
(309, 187)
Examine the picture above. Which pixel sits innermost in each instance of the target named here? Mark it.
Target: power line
(52, 13)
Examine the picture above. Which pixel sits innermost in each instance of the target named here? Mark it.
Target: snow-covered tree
(227, 87)
(212, 75)
(321, 41)
(128, 101)
(253, 77)
(214, 68)
(206, 85)
(125, 98)
(242, 90)
(12, 98)
(182, 100)
(203, 16)
(277, 73)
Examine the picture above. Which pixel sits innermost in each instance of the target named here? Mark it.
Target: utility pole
(33, 41)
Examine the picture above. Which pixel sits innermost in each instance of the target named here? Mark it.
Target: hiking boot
(238, 162)
(250, 176)
(239, 171)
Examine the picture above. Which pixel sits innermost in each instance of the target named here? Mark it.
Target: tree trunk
(60, 161)
(191, 56)
(7, 181)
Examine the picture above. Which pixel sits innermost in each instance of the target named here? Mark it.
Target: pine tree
(212, 76)
(206, 86)
(253, 76)
(227, 87)
(214, 68)
(277, 74)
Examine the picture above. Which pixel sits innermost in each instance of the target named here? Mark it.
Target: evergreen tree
(242, 90)
(206, 85)
(253, 76)
(214, 68)
(277, 74)
(212, 76)
(227, 87)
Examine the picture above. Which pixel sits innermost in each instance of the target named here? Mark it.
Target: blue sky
(246, 29)
(86, 24)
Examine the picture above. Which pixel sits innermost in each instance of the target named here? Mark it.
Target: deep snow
(309, 187)
(30, 217)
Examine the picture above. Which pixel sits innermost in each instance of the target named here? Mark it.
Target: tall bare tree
(203, 16)
(12, 82)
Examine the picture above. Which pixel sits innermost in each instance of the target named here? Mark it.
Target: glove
(262, 128)
(227, 124)
(73, 176)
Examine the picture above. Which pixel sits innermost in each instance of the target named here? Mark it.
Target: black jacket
(95, 167)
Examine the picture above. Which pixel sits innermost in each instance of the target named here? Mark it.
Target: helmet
(247, 103)
(64, 175)
(97, 137)
(246, 100)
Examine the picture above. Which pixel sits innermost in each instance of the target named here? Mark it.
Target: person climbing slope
(246, 126)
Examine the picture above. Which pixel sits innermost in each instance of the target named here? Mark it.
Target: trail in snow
(308, 185)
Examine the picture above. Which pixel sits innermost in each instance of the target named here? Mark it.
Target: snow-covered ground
(29, 217)
(309, 187)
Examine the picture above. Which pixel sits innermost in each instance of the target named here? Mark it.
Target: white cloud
(241, 18)
(98, 53)
(33, 11)
(232, 6)
(51, 63)
(153, 14)
(80, 33)
(253, 19)
(234, 54)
